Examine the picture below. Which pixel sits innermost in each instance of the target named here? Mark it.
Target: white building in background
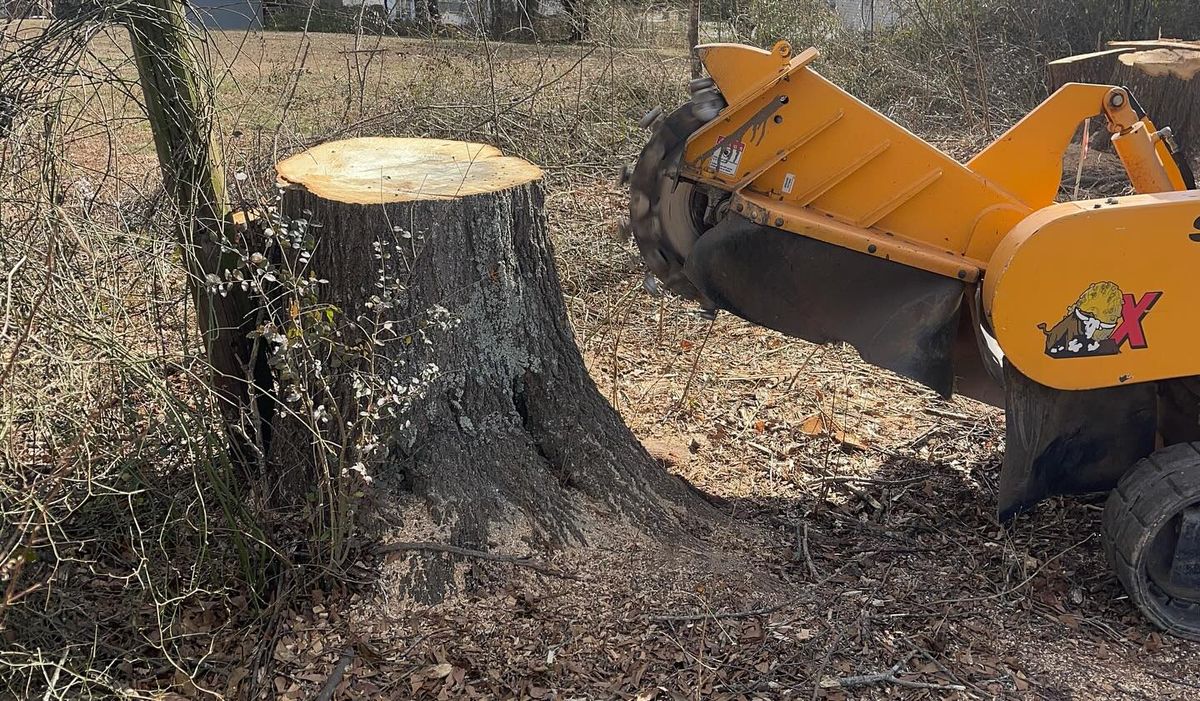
(457, 13)
(866, 14)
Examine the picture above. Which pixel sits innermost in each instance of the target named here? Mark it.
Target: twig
(723, 614)
(948, 414)
(1173, 680)
(54, 679)
(1013, 589)
(840, 479)
(696, 363)
(943, 668)
(837, 638)
(335, 677)
(34, 308)
(753, 612)
(616, 358)
(888, 677)
(478, 555)
(812, 568)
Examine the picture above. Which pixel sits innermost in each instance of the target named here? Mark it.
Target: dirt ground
(856, 553)
(860, 538)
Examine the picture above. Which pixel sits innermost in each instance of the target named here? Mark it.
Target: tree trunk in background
(694, 37)
(510, 20)
(429, 15)
(1164, 83)
(577, 12)
(511, 431)
(1161, 74)
(179, 105)
(1097, 67)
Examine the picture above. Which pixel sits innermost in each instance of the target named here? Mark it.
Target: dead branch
(724, 614)
(478, 555)
(335, 677)
(888, 677)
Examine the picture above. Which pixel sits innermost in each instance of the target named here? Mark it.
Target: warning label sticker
(789, 181)
(725, 159)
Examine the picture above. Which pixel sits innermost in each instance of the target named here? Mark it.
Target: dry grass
(861, 506)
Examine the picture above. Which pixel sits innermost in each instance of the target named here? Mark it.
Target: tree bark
(577, 15)
(510, 436)
(1096, 67)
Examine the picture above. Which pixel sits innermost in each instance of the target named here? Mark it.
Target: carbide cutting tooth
(707, 104)
(698, 84)
(650, 117)
(650, 284)
(623, 230)
(639, 205)
(623, 174)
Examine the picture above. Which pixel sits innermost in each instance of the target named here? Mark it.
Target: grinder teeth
(656, 196)
(650, 284)
(650, 117)
(623, 230)
(623, 174)
(695, 85)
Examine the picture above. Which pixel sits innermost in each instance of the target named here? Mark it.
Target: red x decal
(1132, 313)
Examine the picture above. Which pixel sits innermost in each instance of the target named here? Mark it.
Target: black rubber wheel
(1152, 537)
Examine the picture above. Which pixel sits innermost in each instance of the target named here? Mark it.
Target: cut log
(508, 435)
(1182, 64)
(1146, 44)
(1160, 73)
(1096, 67)
(1164, 83)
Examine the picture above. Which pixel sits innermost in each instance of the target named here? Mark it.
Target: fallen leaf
(817, 425)
(235, 679)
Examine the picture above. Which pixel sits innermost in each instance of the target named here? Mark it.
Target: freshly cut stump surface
(511, 439)
(381, 170)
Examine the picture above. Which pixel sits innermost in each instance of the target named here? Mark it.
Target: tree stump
(1096, 67)
(508, 436)
(1161, 75)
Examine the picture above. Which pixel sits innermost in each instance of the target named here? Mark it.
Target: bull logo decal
(1101, 322)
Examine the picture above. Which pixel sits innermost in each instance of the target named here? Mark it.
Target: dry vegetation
(861, 539)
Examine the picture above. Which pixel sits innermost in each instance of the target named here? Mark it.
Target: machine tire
(1148, 497)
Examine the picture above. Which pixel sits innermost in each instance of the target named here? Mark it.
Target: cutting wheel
(666, 213)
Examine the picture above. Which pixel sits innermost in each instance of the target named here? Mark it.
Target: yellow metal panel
(1027, 160)
(805, 222)
(803, 141)
(744, 71)
(1100, 293)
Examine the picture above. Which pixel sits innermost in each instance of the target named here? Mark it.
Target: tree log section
(513, 431)
(1161, 75)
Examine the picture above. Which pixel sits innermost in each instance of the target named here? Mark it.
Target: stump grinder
(780, 198)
